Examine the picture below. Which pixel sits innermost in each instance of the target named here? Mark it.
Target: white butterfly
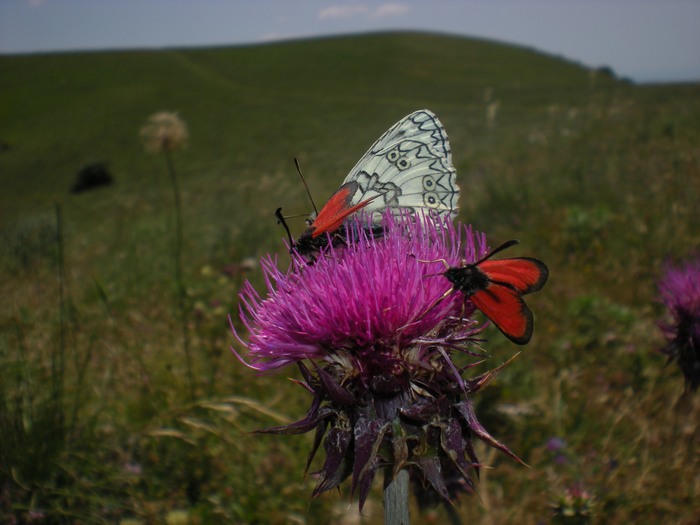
(409, 168)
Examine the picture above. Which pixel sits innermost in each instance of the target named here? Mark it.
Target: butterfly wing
(506, 309)
(409, 168)
(523, 274)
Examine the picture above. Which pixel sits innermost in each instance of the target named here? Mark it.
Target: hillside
(250, 104)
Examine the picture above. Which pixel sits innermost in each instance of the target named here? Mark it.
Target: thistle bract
(380, 325)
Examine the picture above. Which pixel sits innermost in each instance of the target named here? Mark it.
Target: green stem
(58, 362)
(181, 292)
(396, 498)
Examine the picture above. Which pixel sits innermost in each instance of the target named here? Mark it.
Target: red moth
(496, 287)
(330, 219)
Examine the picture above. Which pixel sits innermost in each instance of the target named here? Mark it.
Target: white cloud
(390, 9)
(336, 12)
(342, 11)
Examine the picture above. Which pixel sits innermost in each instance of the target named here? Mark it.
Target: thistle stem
(181, 292)
(58, 365)
(396, 498)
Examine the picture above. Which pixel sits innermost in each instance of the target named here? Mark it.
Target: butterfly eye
(402, 164)
(392, 156)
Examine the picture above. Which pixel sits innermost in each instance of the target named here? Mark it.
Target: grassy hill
(247, 103)
(595, 175)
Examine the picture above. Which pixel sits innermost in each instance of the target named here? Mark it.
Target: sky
(644, 40)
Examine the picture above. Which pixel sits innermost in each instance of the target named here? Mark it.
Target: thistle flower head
(680, 292)
(163, 132)
(365, 301)
(380, 324)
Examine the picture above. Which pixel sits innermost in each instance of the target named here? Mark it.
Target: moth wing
(523, 274)
(507, 310)
(337, 209)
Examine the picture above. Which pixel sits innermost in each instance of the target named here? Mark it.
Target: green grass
(596, 176)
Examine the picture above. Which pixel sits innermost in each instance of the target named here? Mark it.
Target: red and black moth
(496, 287)
(329, 221)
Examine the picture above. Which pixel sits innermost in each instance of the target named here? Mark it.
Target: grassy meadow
(99, 420)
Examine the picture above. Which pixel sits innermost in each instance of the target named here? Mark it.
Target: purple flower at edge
(379, 324)
(680, 292)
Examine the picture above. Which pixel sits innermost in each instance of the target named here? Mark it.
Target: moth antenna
(295, 216)
(283, 222)
(500, 248)
(313, 204)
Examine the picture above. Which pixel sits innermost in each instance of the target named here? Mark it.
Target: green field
(598, 177)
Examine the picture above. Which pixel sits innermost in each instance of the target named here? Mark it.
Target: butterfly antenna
(313, 204)
(283, 222)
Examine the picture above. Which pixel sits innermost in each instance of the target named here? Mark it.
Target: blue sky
(646, 40)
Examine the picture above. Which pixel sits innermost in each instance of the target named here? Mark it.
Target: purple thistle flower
(680, 292)
(556, 444)
(369, 296)
(379, 313)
